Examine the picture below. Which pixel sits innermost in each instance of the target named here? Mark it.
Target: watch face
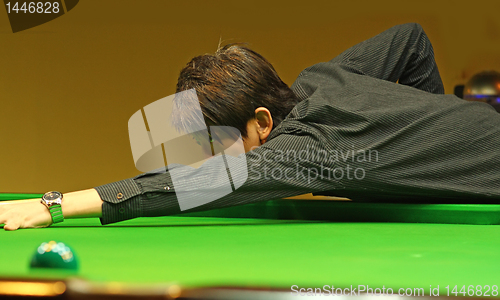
(51, 197)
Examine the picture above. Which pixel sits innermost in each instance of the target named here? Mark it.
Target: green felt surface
(200, 251)
(266, 251)
(347, 211)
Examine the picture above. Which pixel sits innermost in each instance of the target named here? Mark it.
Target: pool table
(284, 245)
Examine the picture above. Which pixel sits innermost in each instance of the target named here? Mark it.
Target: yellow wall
(91, 69)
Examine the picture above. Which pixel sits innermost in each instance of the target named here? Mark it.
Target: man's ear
(264, 123)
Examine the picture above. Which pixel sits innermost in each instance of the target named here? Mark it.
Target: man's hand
(33, 214)
(24, 214)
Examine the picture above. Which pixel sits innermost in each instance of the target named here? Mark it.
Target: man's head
(238, 87)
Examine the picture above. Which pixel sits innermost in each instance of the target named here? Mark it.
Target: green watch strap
(56, 213)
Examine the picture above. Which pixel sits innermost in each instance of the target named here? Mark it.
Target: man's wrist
(82, 204)
(53, 201)
(41, 217)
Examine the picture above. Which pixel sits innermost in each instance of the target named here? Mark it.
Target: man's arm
(402, 53)
(32, 214)
(270, 175)
(280, 168)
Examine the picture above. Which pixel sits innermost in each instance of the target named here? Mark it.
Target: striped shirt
(373, 123)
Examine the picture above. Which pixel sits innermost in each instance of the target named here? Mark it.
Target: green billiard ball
(54, 255)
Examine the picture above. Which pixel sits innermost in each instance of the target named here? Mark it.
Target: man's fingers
(4, 220)
(24, 214)
(11, 225)
(10, 221)
(3, 217)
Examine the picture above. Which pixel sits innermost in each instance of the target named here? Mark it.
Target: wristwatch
(52, 200)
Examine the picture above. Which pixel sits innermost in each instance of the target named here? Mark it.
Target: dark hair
(232, 83)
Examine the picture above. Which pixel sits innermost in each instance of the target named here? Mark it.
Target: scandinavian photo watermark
(311, 164)
(359, 290)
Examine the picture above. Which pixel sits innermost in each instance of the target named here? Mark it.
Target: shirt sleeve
(402, 53)
(270, 173)
(124, 200)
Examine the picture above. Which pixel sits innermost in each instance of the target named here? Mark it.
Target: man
(345, 126)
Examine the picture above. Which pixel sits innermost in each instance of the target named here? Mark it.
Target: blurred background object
(482, 87)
